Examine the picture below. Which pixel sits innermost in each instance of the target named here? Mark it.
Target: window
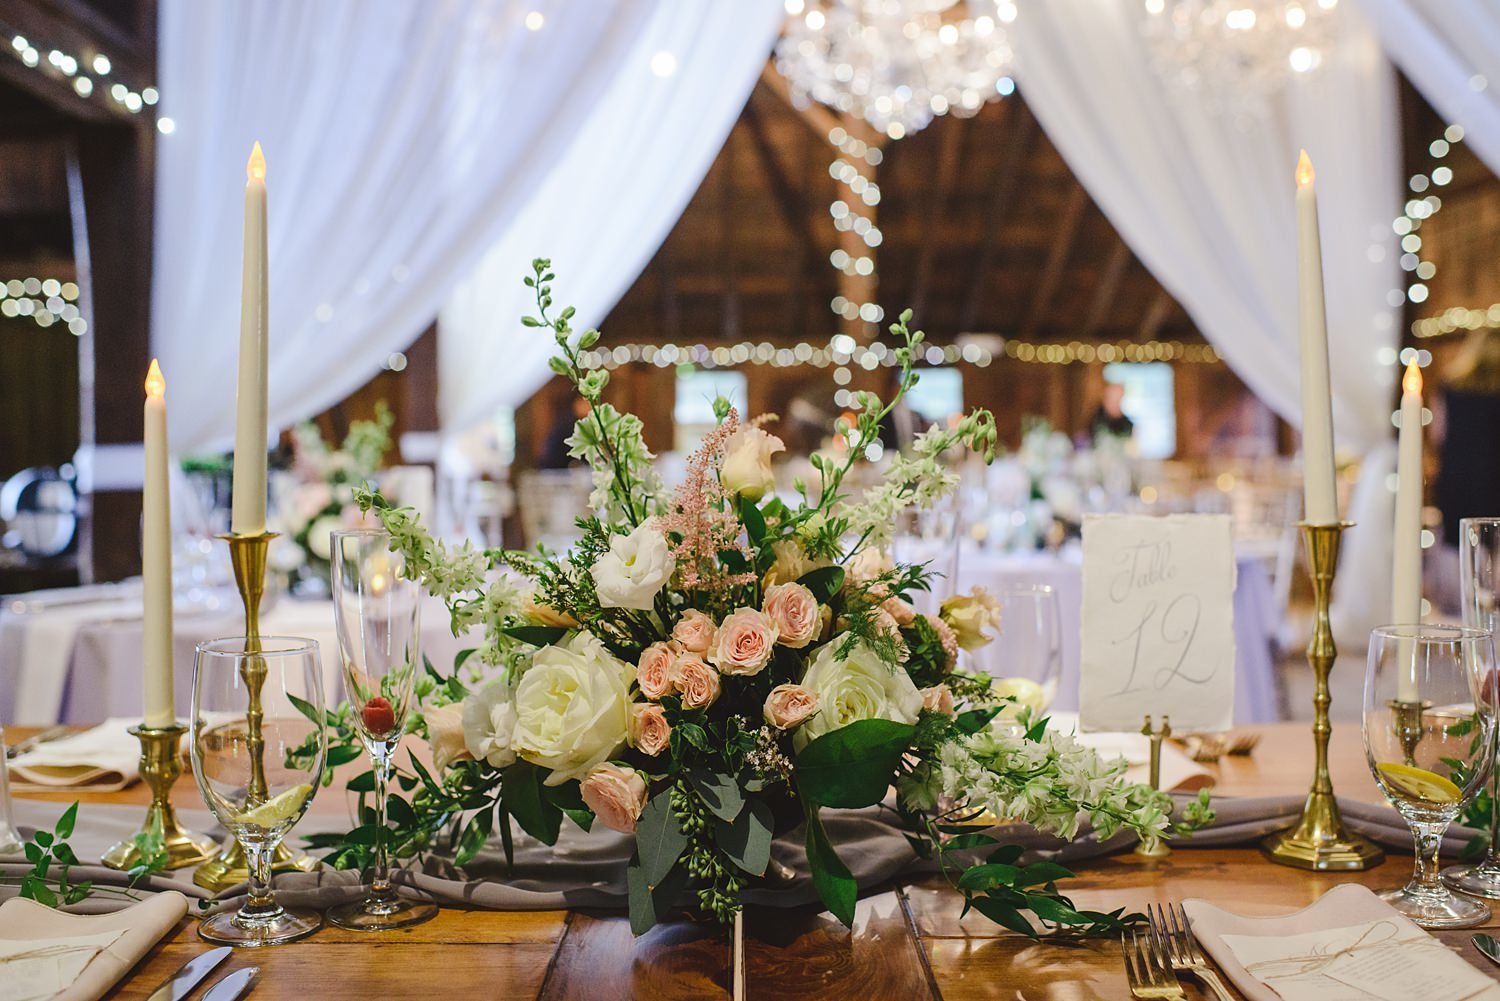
(1151, 402)
(693, 410)
(938, 395)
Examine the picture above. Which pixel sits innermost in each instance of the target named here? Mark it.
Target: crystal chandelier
(1236, 53)
(897, 63)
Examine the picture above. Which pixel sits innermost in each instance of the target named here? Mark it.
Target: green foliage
(852, 766)
(51, 858)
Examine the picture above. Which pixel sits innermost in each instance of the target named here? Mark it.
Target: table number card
(1158, 622)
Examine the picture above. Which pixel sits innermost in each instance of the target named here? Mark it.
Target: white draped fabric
(608, 201)
(1450, 49)
(1205, 199)
(401, 139)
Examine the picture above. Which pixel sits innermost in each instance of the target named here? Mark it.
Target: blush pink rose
(698, 683)
(743, 645)
(789, 706)
(938, 699)
(654, 672)
(617, 795)
(649, 729)
(901, 611)
(694, 632)
(795, 612)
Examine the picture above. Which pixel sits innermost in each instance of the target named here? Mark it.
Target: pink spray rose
(694, 632)
(789, 706)
(698, 683)
(654, 672)
(616, 794)
(794, 610)
(649, 729)
(743, 645)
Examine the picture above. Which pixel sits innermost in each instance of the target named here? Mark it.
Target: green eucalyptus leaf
(747, 840)
(853, 766)
(521, 791)
(659, 839)
(719, 792)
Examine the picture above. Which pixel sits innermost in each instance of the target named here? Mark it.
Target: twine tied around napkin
(1380, 936)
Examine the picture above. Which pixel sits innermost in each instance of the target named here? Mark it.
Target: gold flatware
(1206, 748)
(1149, 977)
(1173, 940)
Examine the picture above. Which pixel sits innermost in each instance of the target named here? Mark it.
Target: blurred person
(1110, 418)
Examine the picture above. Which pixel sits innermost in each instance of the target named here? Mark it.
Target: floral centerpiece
(316, 495)
(710, 667)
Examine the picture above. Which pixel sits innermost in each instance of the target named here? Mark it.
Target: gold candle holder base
(1408, 723)
(161, 765)
(247, 554)
(1319, 840)
(1160, 849)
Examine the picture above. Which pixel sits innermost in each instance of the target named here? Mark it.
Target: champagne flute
(377, 612)
(1479, 576)
(1429, 725)
(258, 758)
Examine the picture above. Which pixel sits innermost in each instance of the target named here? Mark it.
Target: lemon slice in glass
(277, 810)
(1025, 691)
(1418, 783)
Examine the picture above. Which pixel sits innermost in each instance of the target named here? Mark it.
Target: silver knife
(193, 971)
(232, 987)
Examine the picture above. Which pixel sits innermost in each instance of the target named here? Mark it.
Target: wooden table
(908, 941)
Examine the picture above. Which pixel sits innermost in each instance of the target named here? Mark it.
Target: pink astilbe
(701, 522)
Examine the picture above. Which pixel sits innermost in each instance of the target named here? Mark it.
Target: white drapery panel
(608, 201)
(1205, 198)
(401, 139)
(1450, 49)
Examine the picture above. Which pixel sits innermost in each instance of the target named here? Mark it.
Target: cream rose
(866, 565)
(792, 563)
(789, 706)
(489, 722)
(795, 612)
(694, 632)
(862, 686)
(698, 683)
(445, 735)
(546, 615)
(572, 707)
(743, 644)
(319, 535)
(649, 730)
(970, 615)
(636, 567)
(938, 699)
(747, 463)
(616, 794)
(654, 673)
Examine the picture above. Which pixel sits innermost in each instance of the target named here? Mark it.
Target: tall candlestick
(156, 559)
(1406, 571)
(1320, 498)
(248, 515)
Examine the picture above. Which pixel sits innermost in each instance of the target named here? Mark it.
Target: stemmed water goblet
(1025, 658)
(258, 756)
(1479, 578)
(1429, 726)
(377, 611)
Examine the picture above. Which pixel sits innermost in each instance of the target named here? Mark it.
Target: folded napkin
(74, 957)
(104, 759)
(1179, 773)
(1348, 946)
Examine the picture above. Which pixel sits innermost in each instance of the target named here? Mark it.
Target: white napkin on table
(76, 957)
(1348, 946)
(104, 759)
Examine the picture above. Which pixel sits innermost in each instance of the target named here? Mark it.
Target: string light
(46, 301)
(85, 76)
(1456, 319)
(843, 355)
(1419, 208)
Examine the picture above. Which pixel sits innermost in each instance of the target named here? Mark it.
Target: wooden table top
(908, 940)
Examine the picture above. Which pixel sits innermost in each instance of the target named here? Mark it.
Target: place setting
(787, 499)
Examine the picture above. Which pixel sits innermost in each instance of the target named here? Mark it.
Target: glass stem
(260, 904)
(1494, 858)
(1424, 879)
(380, 876)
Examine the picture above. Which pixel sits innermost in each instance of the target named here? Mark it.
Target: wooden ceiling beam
(789, 200)
(1007, 181)
(939, 198)
(819, 117)
(1063, 238)
(1106, 290)
(1156, 314)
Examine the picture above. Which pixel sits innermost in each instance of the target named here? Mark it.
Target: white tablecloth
(1255, 625)
(64, 661)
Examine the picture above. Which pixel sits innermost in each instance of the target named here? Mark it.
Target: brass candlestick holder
(247, 554)
(161, 765)
(1320, 840)
(1160, 849)
(1408, 722)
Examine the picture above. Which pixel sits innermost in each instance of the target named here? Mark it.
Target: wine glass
(258, 757)
(1025, 658)
(1479, 575)
(376, 610)
(1429, 724)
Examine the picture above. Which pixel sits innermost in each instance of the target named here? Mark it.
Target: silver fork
(1173, 938)
(1145, 970)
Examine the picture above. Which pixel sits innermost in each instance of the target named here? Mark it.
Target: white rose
(860, 687)
(747, 463)
(636, 567)
(318, 536)
(572, 708)
(489, 722)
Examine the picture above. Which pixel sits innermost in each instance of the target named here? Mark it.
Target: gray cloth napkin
(587, 869)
